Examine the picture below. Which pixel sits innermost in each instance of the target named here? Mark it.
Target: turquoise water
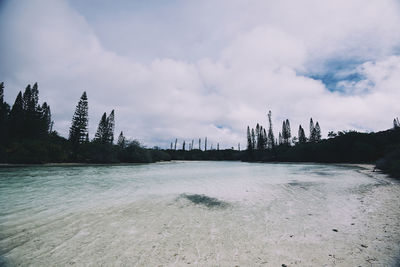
(67, 215)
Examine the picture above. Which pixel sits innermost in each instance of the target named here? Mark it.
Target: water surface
(205, 213)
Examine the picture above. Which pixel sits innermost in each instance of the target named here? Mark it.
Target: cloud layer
(189, 70)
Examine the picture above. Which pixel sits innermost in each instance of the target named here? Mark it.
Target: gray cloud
(190, 70)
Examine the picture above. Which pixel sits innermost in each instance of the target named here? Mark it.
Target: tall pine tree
(80, 122)
(302, 135)
(271, 138)
(312, 131)
(317, 134)
(249, 143)
(101, 135)
(4, 113)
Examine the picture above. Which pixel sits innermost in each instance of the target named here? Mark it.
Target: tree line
(260, 139)
(27, 135)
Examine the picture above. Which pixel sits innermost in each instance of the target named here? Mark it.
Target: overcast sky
(190, 69)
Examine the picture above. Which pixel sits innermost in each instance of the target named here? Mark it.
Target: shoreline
(367, 166)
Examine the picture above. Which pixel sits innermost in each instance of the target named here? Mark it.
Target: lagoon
(199, 213)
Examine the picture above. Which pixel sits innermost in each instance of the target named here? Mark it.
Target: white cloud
(260, 49)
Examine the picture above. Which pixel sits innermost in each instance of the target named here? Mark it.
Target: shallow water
(201, 213)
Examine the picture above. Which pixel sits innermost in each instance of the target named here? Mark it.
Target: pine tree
(288, 132)
(312, 131)
(46, 119)
(265, 142)
(176, 141)
(271, 138)
(16, 118)
(1, 92)
(199, 143)
(302, 136)
(249, 143)
(283, 137)
(396, 123)
(205, 144)
(80, 121)
(253, 139)
(4, 114)
(317, 134)
(183, 145)
(101, 135)
(218, 146)
(34, 101)
(26, 98)
(110, 127)
(257, 135)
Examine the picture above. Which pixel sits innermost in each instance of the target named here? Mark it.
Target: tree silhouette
(249, 142)
(317, 134)
(101, 135)
(271, 138)
(110, 127)
(80, 121)
(253, 139)
(4, 113)
(302, 136)
(312, 131)
(396, 123)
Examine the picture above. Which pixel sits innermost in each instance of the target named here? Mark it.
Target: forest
(27, 137)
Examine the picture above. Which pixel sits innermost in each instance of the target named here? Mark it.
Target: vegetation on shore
(27, 136)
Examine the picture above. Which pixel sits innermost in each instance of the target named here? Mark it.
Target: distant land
(27, 137)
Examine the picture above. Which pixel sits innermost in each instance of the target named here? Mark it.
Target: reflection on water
(206, 213)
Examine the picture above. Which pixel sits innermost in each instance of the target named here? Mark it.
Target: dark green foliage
(101, 135)
(16, 119)
(302, 136)
(391, 163)
(54, 149)
(271, 137)
(249, 140)
(122, 142)
(27, 119)
(312, 132)
(80, 122)
(317, 133)
(4, 114)
(286, 133)
(134, 153)
(351, 147)
(253, 139)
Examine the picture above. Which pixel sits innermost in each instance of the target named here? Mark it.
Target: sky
(189, 69)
